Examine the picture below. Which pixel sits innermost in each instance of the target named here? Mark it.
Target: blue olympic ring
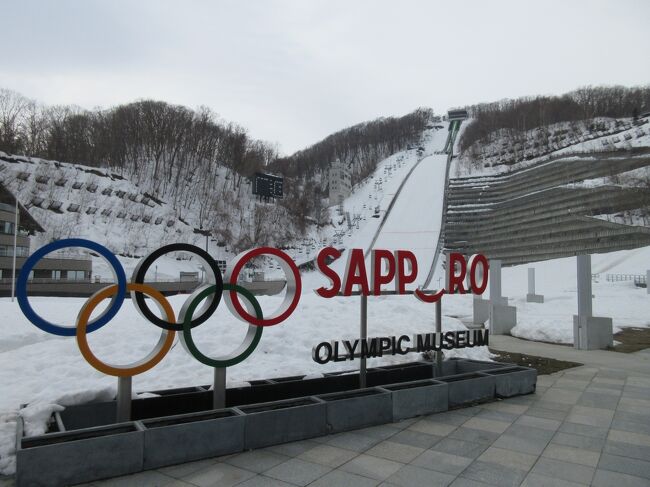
(104, 318)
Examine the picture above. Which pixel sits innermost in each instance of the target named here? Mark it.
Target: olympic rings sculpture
(210, 294)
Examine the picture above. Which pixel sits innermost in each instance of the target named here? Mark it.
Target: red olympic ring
(294, 287)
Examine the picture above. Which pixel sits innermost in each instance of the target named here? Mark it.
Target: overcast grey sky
(292, 72)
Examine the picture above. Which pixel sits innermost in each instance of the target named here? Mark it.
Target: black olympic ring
(207, 309)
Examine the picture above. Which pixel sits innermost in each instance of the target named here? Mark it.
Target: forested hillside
(198, 165)
(521, 114)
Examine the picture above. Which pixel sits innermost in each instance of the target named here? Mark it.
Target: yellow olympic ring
(155, 356)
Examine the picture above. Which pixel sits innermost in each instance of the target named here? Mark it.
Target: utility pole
(13, 273)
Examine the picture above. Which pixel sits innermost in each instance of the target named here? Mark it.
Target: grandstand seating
(546, 211)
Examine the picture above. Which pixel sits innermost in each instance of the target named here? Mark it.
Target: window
(76, 275)
(8, 251)
(56, 275)
(7, 227)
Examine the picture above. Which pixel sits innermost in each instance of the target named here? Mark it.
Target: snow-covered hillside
(507, 150)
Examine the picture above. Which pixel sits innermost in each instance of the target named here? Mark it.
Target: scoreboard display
(267, 185)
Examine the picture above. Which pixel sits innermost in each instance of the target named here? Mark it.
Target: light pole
(13, 272)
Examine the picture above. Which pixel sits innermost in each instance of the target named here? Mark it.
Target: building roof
(27, 221)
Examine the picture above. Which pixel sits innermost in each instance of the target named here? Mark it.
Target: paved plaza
(588, 425)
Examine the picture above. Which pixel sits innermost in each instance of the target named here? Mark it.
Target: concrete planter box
(513, 381)
(465, 389)
(282, 421)
(412, 399)
(189, 437)
(190, 400)
(465, 366)
(408, 372)
(357, 409)
(73, 457)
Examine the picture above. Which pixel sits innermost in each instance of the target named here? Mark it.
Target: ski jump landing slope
(414, 220)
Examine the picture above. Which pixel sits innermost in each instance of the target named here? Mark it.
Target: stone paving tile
(571, 454)
(494, 474)
(553, 405)
(263, 481)
(185, 469)
(633, 417)
(293, 449)
(584, 430)
(450, 418)
(339, 478)
(477, 436)
(411, 476)
(579, 441)
(537, 480)
(372, 467)
(586, 373)
(175, 483)
(470, 411)
(564, 470)
(564, 396)
(546, 380)
(595, 400)
(571, 384)
(631, 466)
(508, 458)
(257, 461)
(505, 407)
(612, 374)
(630, 437)
(546, 413)
(151, 478)
(298, 472)
(526, 400)
(219, 474)
(636, 395)
(626, 450)
(352, 441)
(463, 482)
(490, 425)
(638, 381)
(632, 405)
(605, 478)
(590, 416)
(633, 426)
(541, 423)
(636, 391)
(415, 438)
(463, 448)
(328, 455)
(432, 428)
(395, 451)
(608, 383)
(497, 415)
(531, 445)
(442, 462)
(530, 432)
(595, 389)
(381, 432)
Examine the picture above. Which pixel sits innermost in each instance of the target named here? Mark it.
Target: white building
(340, 182)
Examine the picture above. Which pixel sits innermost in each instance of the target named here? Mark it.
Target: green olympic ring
(253, 335)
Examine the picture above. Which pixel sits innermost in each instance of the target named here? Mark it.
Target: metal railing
(625, 277)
